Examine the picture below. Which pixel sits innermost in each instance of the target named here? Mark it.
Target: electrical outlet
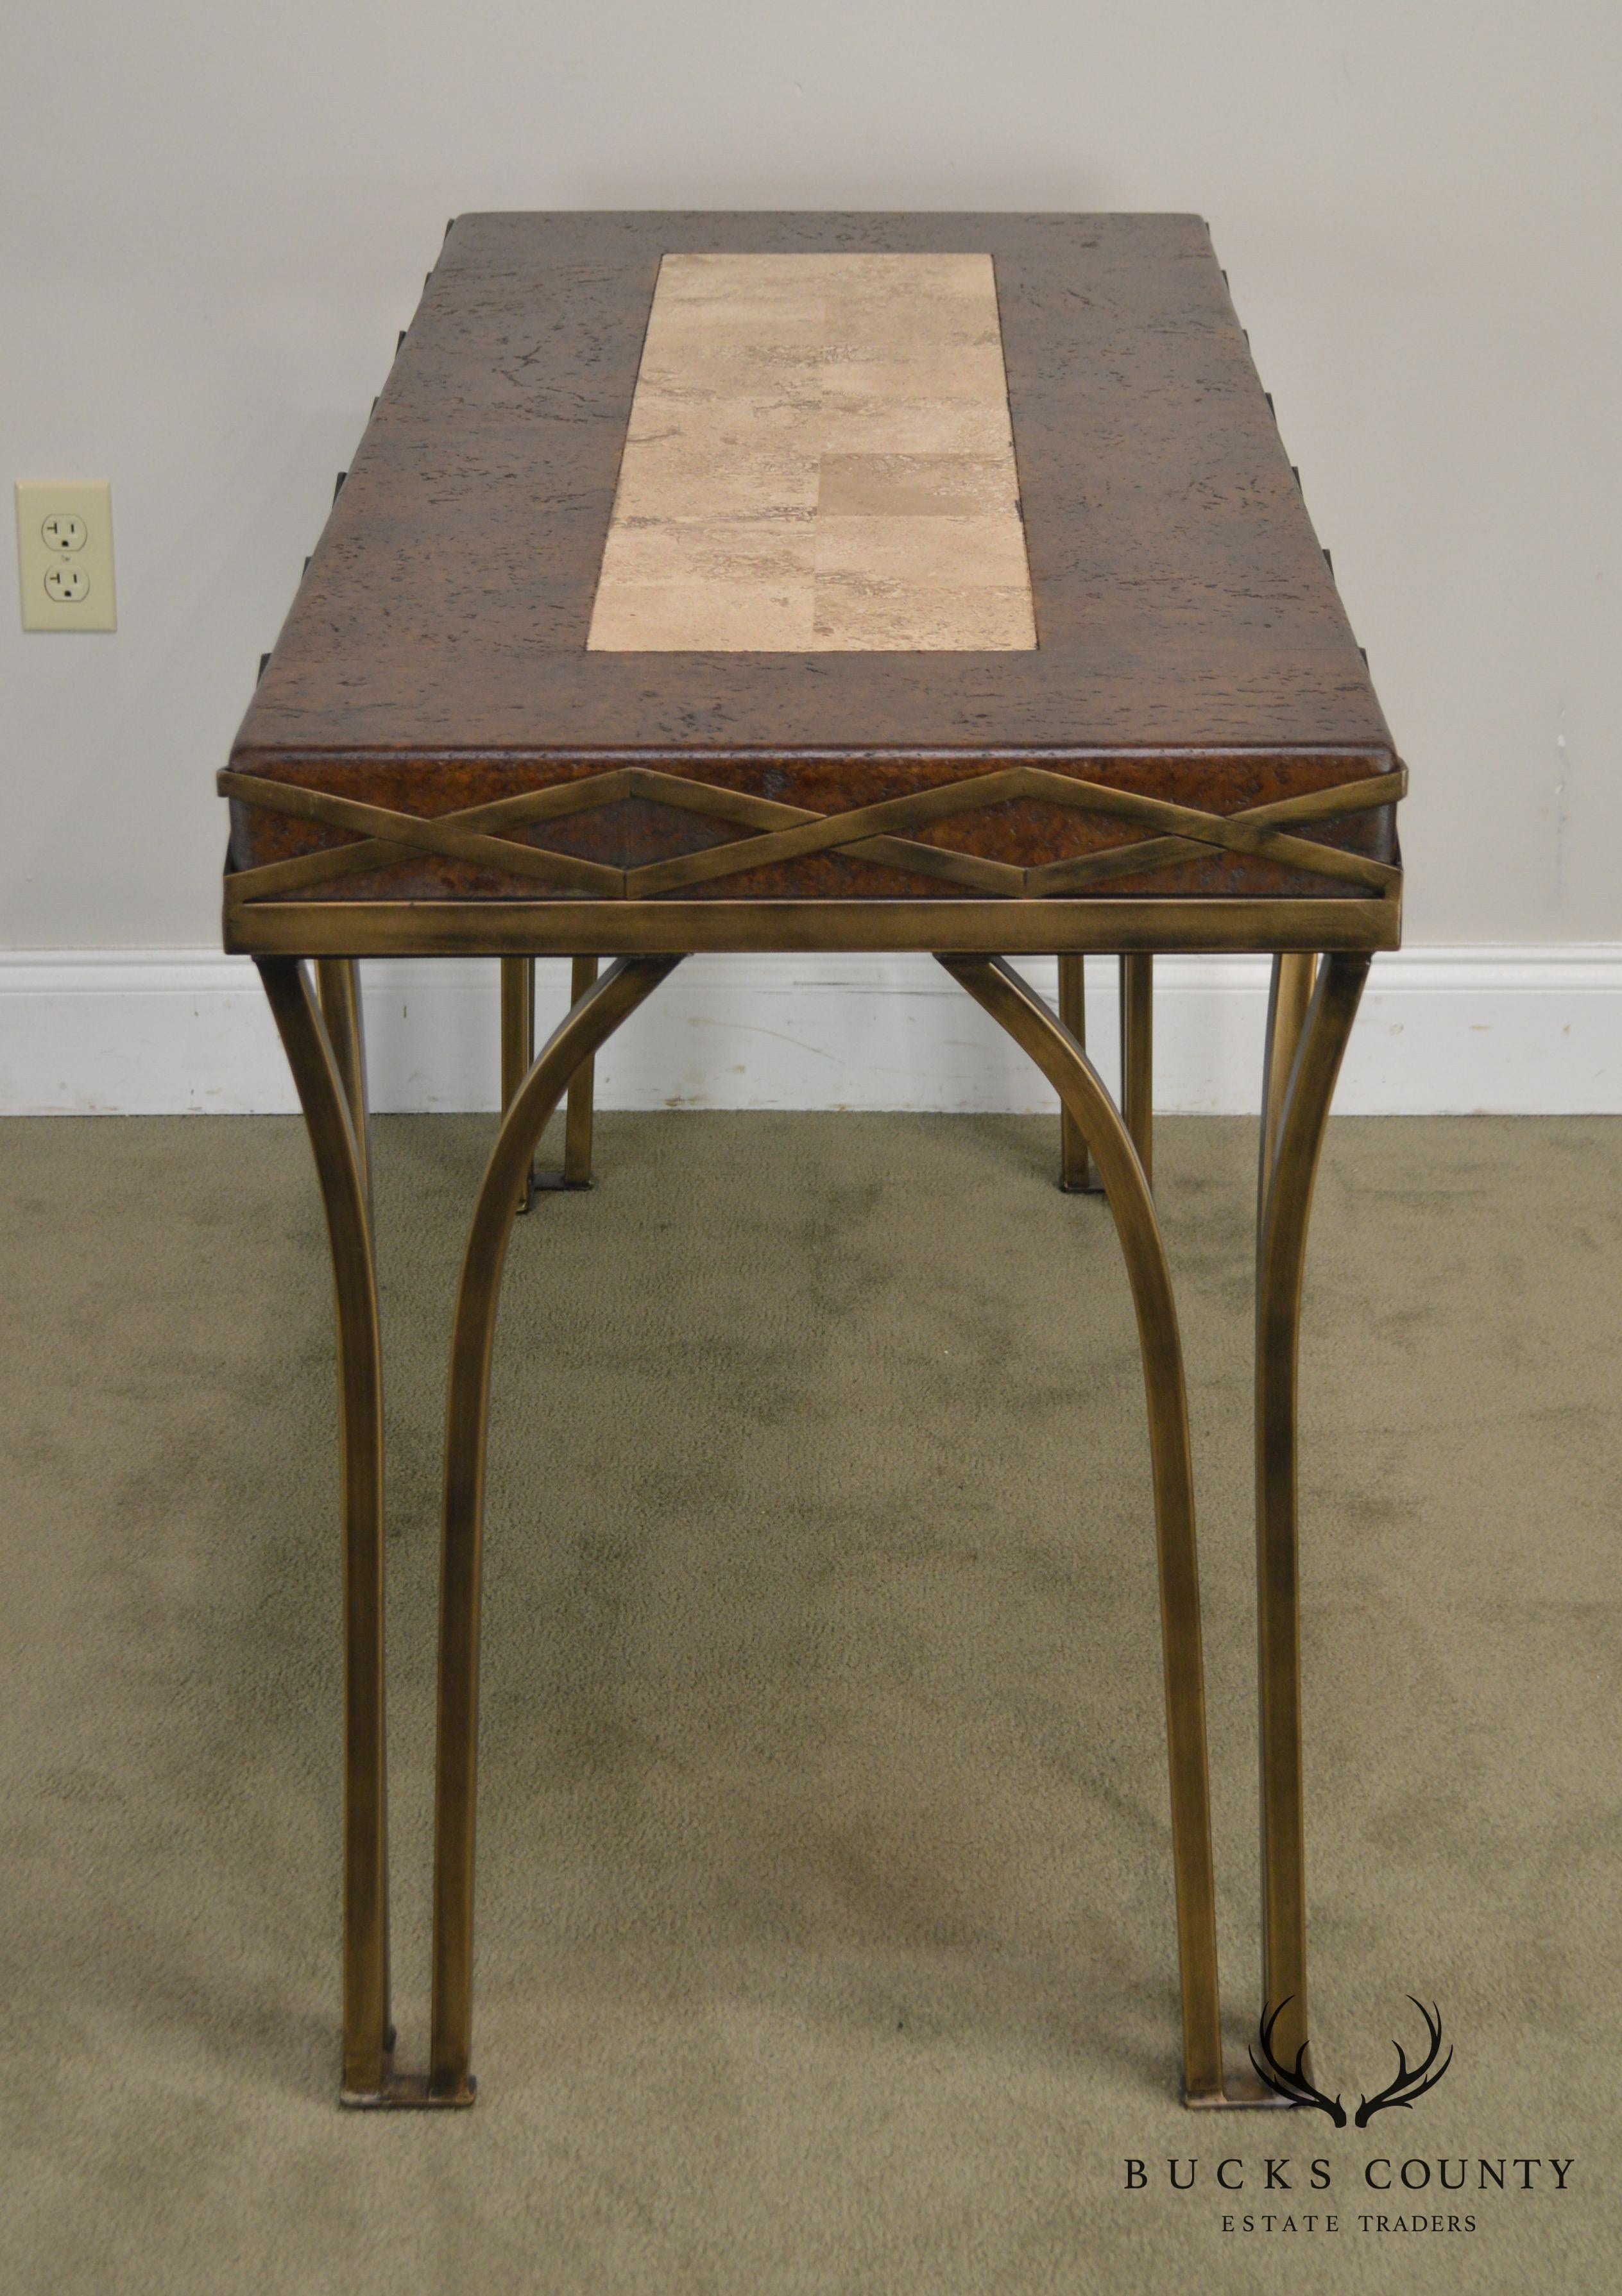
(64, 554)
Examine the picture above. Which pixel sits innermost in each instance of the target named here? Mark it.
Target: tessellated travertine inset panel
(819, 459)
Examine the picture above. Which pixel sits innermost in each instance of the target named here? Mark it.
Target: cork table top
(810, 560)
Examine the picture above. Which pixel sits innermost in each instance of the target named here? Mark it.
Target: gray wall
(216, 217)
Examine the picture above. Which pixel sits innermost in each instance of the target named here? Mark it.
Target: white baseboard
(1441, 1032)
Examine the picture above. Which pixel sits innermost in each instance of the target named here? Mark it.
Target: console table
(817, 582)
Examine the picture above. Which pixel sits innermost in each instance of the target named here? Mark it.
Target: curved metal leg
(517, 1052)
(335, 1138)
(1137, 1055)
(1076, 1176)
(517, 1041)
(1287, 998)
(577, 1124)
(576, 1169)
(1062, 1060)
(588, 1025)
(338, 985)
(1302, 1105)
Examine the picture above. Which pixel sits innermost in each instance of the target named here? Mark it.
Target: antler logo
(1291, 2082)
(1408, 2084)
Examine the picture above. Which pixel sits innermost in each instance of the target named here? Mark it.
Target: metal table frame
(1312, 1004)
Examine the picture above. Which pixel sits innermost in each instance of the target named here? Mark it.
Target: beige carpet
(824, 1919)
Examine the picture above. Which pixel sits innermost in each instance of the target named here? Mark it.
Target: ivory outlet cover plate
(64, 554)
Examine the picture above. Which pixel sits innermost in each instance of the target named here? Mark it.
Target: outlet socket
(64, 554)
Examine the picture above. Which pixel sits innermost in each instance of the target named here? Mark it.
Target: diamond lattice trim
(787, 833)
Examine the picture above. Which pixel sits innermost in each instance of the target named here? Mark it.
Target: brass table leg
(587, 1025)
(517, 1052)
(1304, 1060)
(1060, 1058)
(330, 1112)
(1137, 1056)
(577, 1168)
(578, 1127)
(338, 984)
(1076, 1173)
(1287, 998)
(517, 1042)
